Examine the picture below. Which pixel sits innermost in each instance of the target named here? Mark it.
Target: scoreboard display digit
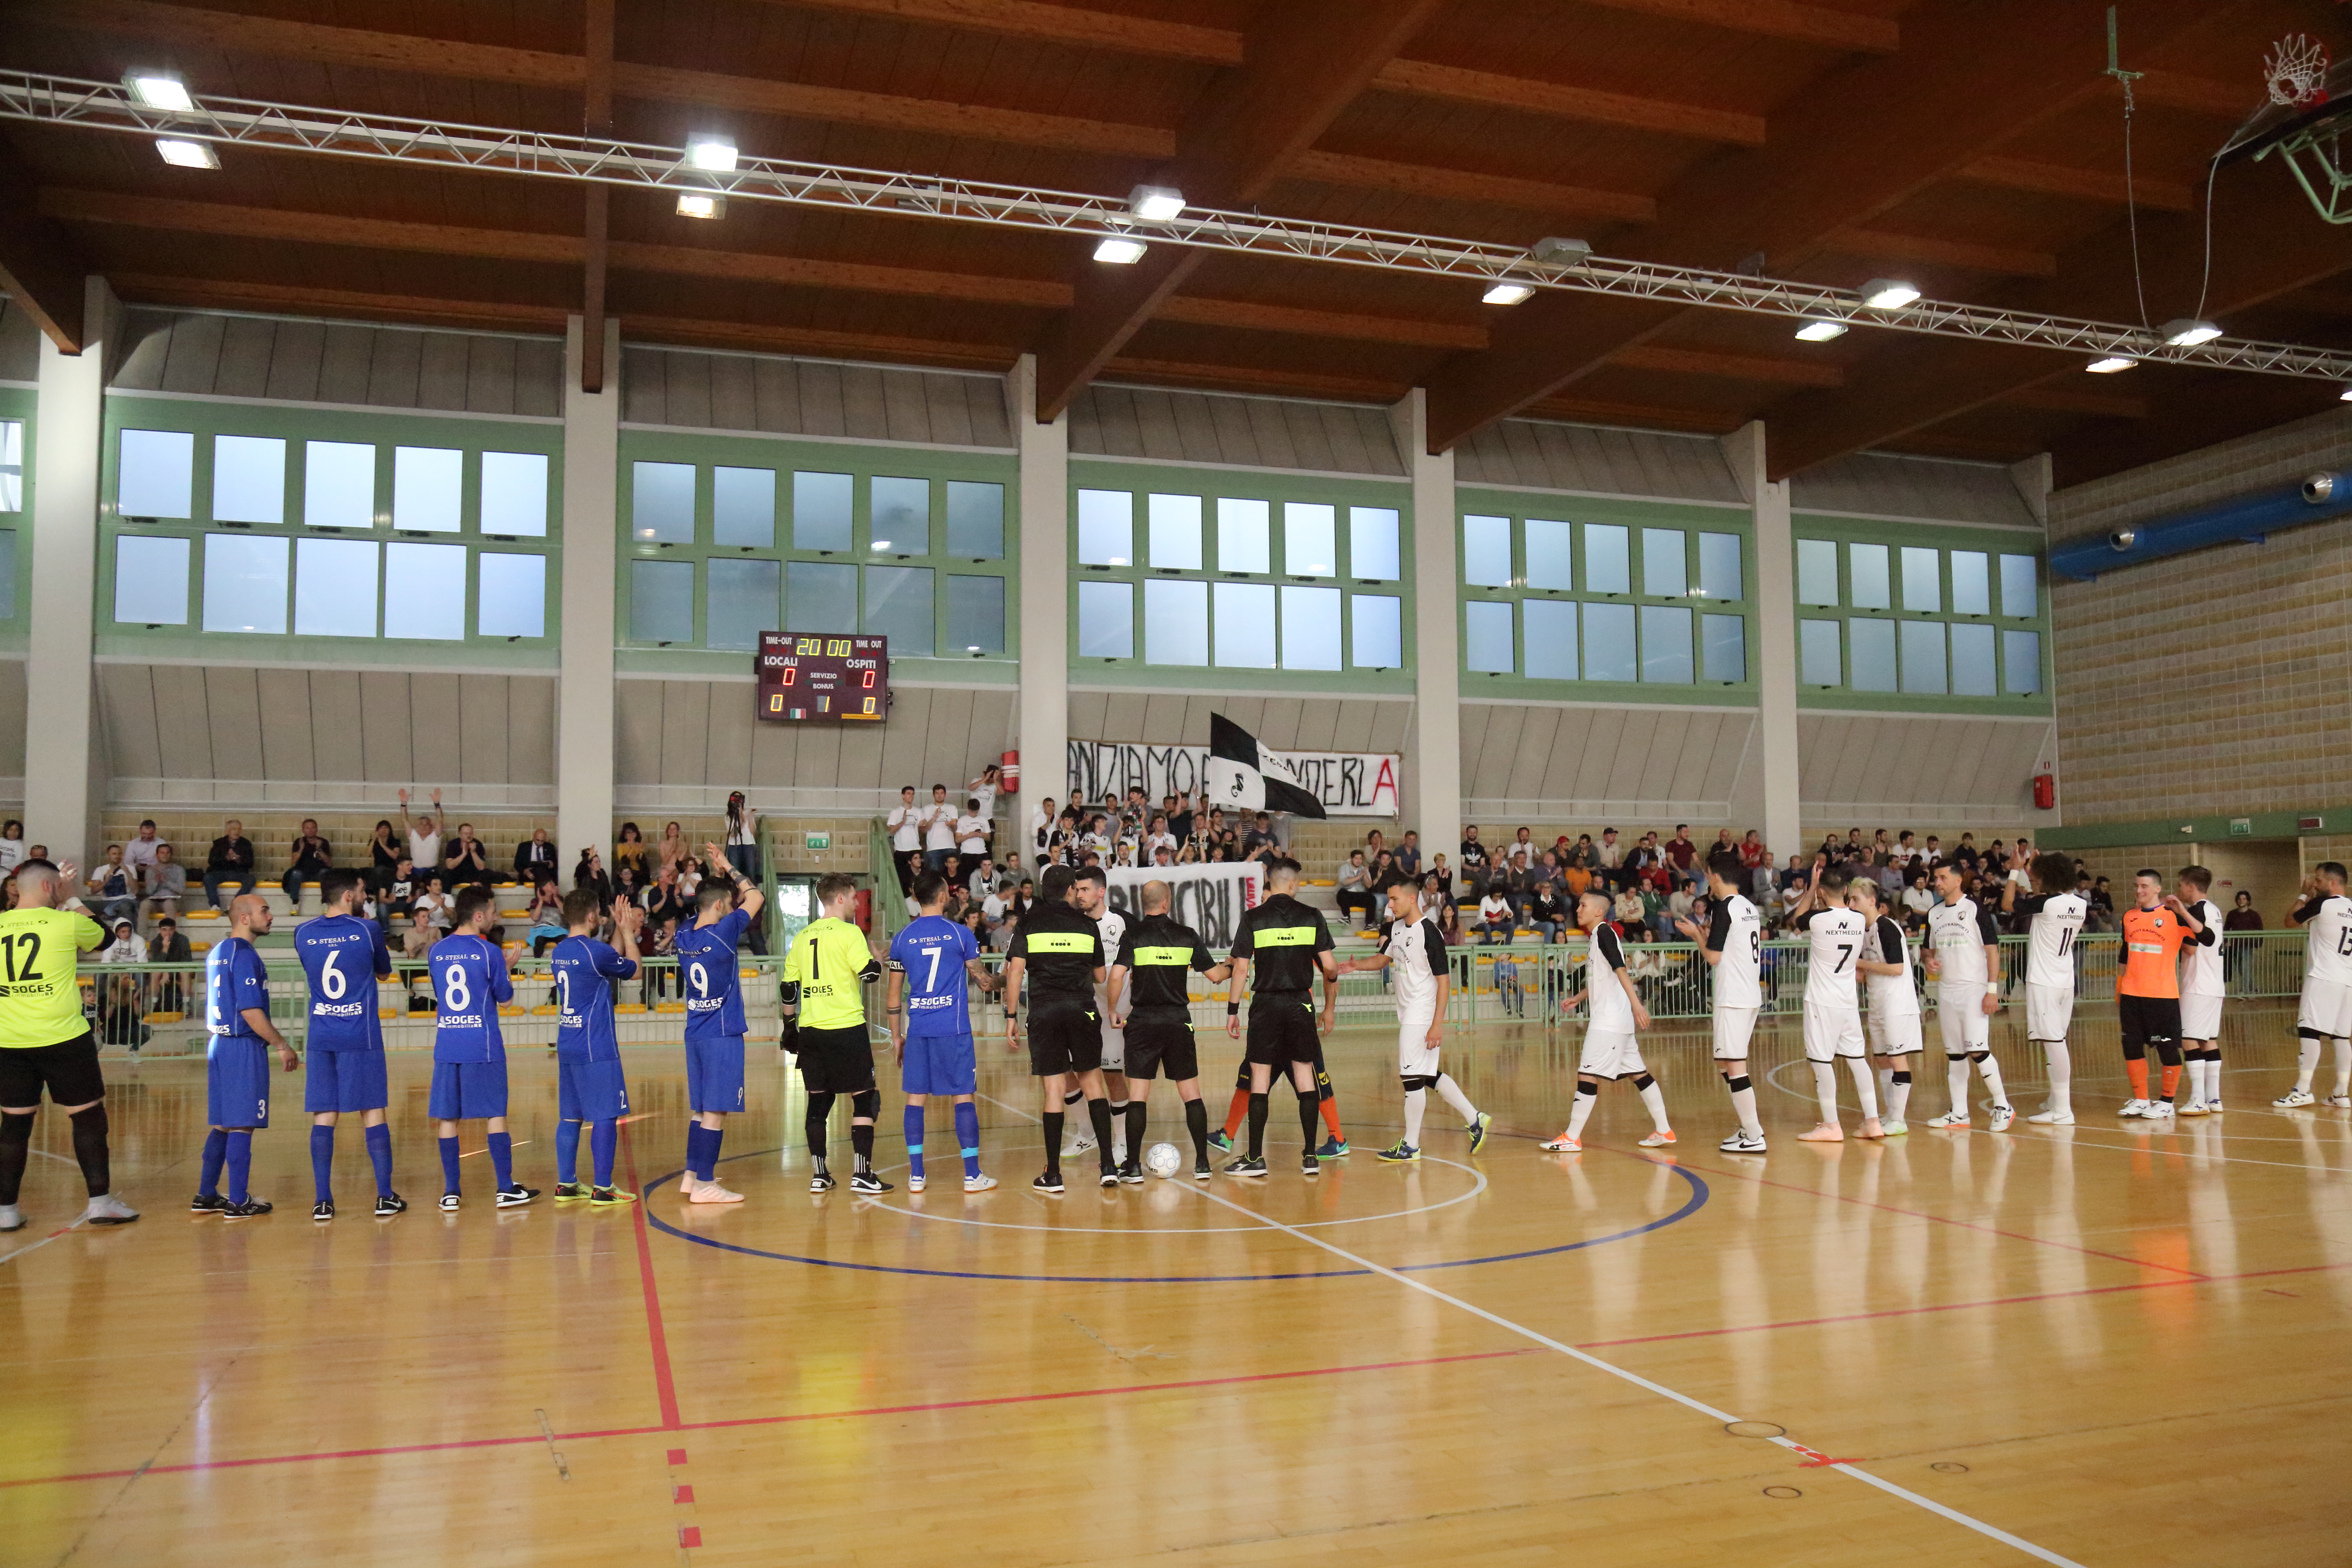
(810, 678)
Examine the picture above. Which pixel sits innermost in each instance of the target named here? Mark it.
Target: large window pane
(514, 494)
(514, 595)
(1310, 629)
(1105, 620)
(1486, 638)
(1377, 633)
(1175, 537)
(744, 598)
(1973, 674)
(1175, 621)
(1608, 562)
(1923, 580)
(1923, 658)
(11, 466)
(338, 484)
(151, 581)
(1817, 582)
(428, 490)
(975, 520)
(743, 507)
(1245, 535)
(1609, 643)
(1665, 644)
(1548, 554)
(2021, 660)
(1310, 548)
(425, 592)
(1866, 566)
(1486, 551)
(661, 505)
(975, 614)
(902, 517)
(2021, 594)
(248, 479)
(156, 476)
(1106, 528)
(1665, 563)
(7, 574)
(1723, 647)
(1718, 566)
(821, 518)
(1971, 583)
(898, 607)
(334, 587)
(820, 596)
(661, 602)
(1818, 663)
(1372, 544)
(245, 583)
(1872, 648)
(1551, 638)
(1244, 624)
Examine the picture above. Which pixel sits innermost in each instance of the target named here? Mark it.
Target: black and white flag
(1241, 774)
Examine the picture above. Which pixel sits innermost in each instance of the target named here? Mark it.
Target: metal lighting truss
(108, 105)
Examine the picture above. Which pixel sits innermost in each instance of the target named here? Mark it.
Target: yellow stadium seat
(512, 1012)
(387, 1013)
(203, 915)
(748, 974)
(165, 1017)
(629, 1007)
(547, 1010)
(669, 1006)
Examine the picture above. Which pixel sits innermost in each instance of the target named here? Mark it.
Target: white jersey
(1959, 932)
(1113, 927)
(2200, 959)
(1837, 935)
(2326, 921)
(1734, 932)
(1416, 963)
(1610, 1009)
(1891, 995)
(2050, 944)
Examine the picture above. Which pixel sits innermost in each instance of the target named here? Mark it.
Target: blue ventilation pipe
(2252, 519)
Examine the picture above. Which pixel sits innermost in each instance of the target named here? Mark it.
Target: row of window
(329, 587)
(339, 484)
(924, 612)
(1542, 555)
(1177, 536)
(1931, 581)
(1241, 626)
(671, 503)
(1561, 640)
(11, 466)
(1923, 658)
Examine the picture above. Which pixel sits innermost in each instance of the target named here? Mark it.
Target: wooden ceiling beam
(1462, 185)
(1590, 106)
(2010, 261)
(1256, 378)
(2009, 173)
(2194, 414)
(1727, 367)
(2057, 397)
(1243, 315)
(2228, 100)
(596, 120)
(1637, 415)
(41, 266)
(233, 33)
(1037, 23)
(1776, 20)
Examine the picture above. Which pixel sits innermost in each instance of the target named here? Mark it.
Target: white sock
(1955, 1078)
(1743, 1105)
(1886, 1086)
(1587, 1095)
(2062, 1075)
(2343, 1067)
(1451, 1092)
(1898, 1096)
(1416, 1101)
(1654, 1099)
(1825, 1091)
(1865, 1086)
(2214, 1078)
(2306, 1063)
(1990, 1068)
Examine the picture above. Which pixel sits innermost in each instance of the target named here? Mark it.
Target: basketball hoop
(2297, 72)
(2307, 121)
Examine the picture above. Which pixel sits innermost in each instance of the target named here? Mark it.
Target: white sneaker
(979, 1183)
(2052, 1118)
(2213, 1107)
(2194, 1107)
(1659, 1139)
(2002, 1116)
(1743, 1142)
(712, 1192)
(1119, 1151)
(2340, 1102)
(2159, 1111)
(1563, 1144)
(11, 1217)
(2295, 1097)
(1893, 1129)
(1951, 1118)
(108, 1210)
(914, 1183)
(1077, 1146)
(2134, 1107)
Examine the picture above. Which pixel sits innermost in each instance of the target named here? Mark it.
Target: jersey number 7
(1845, 952)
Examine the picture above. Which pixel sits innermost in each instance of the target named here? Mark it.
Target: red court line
(665, 1384)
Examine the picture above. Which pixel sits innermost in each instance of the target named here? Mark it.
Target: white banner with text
(1211, 899)
(1349, 783)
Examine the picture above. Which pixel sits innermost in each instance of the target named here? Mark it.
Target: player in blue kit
(931, 959)
(714, 1020)
(588, 1081)
(238, 1038)
(470, 1055)
(343, 956)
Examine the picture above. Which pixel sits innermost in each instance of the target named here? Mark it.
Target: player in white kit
(1893, 1021)
(1092, 890)
(2057, 913)
(1839, 938)
(2326, 1013)
(1414, 951)
(2203, 986)
(1733, 938)
(1964, 957)
(1612, 1047)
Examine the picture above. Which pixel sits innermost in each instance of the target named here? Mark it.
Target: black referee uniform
(1158, 952)
(1061, 947)
(1283, 938)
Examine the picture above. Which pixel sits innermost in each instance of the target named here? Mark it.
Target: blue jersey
(343, 955)
(583, 969)
(469, 981)
(235, 979)
(932, 950)
(706, 967)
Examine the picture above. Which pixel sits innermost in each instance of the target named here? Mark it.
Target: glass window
(1244, 536)
(1923, 657)
(1665, 565)
(1175, 538)
(1106, 528)
(428, 490)
(898, 607)
(1723, 647)
(1665, 644)
(1487, 638)
(1923, 580)
(1867, 569)
(661, 601)
(661, 505)
(1372, 554)
(2021, 658)
(151, 581)
(1973, 674)
(1486, 551)
(425, 592)
(975, 521)
(11, 466)
(743, 507)
(1608, 563)
(1310, 629)
(1310, 548)
(248, 479)
(821, 520)
(1377, 642)
(1175, 621)
(157, 476)
(338, 484)
(820, 596)
(1105, 620)
(245, 583)
(1971, 583)
(1609, 643)
(1873, 649)
(514, 494)
(744, 598)
(902, 517)
(514, 595)
(1817, 571)
(1547, 560)
(1244, 624)
(334, 587)
(1718, 566)
(7, 574)
(1551, 638)
(2021, 594)
(975, 614)
(1817, 653)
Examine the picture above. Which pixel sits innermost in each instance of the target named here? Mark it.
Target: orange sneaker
(1564, 1144)
(1827, 1133)
(1658, 1140)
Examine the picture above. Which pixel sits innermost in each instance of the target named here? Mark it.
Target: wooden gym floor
(2107, 1345)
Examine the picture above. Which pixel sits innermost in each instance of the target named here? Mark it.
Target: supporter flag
(1243, 775)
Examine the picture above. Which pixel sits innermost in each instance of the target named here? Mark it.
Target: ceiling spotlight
(158, 90)
(2109, 365)
(700, 204)
(2347, 394)
(1120, 252)
(1155, 204)
(2185, 333)
(1821, 331)
(183, 154)
(1887, 293)
(1506, 294)
(714, 153)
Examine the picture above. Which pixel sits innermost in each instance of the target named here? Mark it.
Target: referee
(1058, 947)
(1152, 973)
(44, 1042)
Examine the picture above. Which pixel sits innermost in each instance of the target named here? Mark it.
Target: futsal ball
(1162, 1160)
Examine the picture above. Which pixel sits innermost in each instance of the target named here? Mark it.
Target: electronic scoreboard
(809, 678)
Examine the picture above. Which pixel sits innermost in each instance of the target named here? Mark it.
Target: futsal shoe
(11, 1217)
(1219, 1143)
(1332, 1149)
(1893, 1129)
(1132, 1173)
(914, 1184)
(1478, 1130)
(389, 1204)
(2340, 1102)
(1051, 1182)
(867, 1181)
(610, 1197)
(2003, 1115)
(252, 1208)
(1563, 1144)
(712, 1192)
(2159, 1111)
(1872, 1127)
(1824, 1133)
(516, 1196)
(1959, 1119)
(1743, 1142)
(2213, 1107)
(450, 1203)
(979, 1184)
(2052, 1118)
(571, 1193)
(1309, 1166)
(1109, 1177)
(322, 1213)
(2194, 1107)
(1077, 1146)
(1662, 1138)
(2293, 1097)
(207, 1202)
(1399, 1153)
(107, 1209)
(1248, 1165)
(2138, 1108)
(823, 1181)
(1202, 1171)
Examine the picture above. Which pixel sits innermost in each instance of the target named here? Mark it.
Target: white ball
(1163, 1160)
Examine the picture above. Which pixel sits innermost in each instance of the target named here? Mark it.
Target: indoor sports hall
(1194, 782)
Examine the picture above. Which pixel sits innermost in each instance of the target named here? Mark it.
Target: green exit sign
(816, 840)
(2242, 828)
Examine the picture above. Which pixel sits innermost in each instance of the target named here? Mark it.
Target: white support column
(1776, 640)
(1046, 608)
(1436, 776)
(64, 784)
(592, 478)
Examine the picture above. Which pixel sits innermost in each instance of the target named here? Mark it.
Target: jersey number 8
(453, 988)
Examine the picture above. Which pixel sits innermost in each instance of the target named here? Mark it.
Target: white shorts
(2048, 1011)
(1960, 1011)
(1610, 1054)
(1832, 1032)
(2327, 1007)
(2201, 1018)
(1895, 1034)
(1416, 1058)
(1733, 1025)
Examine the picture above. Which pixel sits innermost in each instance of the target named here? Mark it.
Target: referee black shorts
(2147, 1021)
(1159, 1037)
(836, 1061)
(1065, 1036)
(69, 1070)
(1283, 1032)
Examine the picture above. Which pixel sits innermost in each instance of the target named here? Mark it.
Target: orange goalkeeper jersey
(2151, 953)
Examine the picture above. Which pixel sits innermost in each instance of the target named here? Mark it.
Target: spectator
(111, 887)
(127, 946)
(139, 853)
(983, 880)
(167, 882)
(432, 904)
(629, 849)
(1545, 913)
(588, 875)
(1522, 851)
(1608, 860)
(168, 946)
(939, 830)
(1355, 890)
(664, 900)
(401, 896)
(1496, 921)
(1043, 823)
(971, 831)
(1571, 880)
(986, 787)
(1682, 854)
(1474, 863)
(1448, 916)
(421, 933)
(2240, 939)
(535, 855)
(1627, 911)
(383, 855)
(546, 916)
(629, 887)
(673, 848)
(1917, 899)
(468, 860)
(1438, 881)
(424, 832)
(1181, 821)
(742, 844)
(11, 846)
(2242, 915)
(1157, 836)
(1407, 855)
(1386, 874)
(313, 856)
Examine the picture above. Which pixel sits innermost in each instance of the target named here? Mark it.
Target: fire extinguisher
(2046, 792)
(1009, 766)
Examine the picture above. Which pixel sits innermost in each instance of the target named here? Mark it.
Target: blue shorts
(937, 1064)
(591, 1091)
(236, 1082)
(714, 1073)
(345, 1080)
(467, 1091)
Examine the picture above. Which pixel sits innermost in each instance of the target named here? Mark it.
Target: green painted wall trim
(2260, 824)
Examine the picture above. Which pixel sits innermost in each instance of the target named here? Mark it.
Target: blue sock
(602, 1136)
(711, 1138)
(567, 1153)
(699, 1151)
(914, 1141)
(449, 1164)
(322, 1162)
(379, 1147)
(215, 1151)
(240, 1166)
(966, 1121)
(502, 1158)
